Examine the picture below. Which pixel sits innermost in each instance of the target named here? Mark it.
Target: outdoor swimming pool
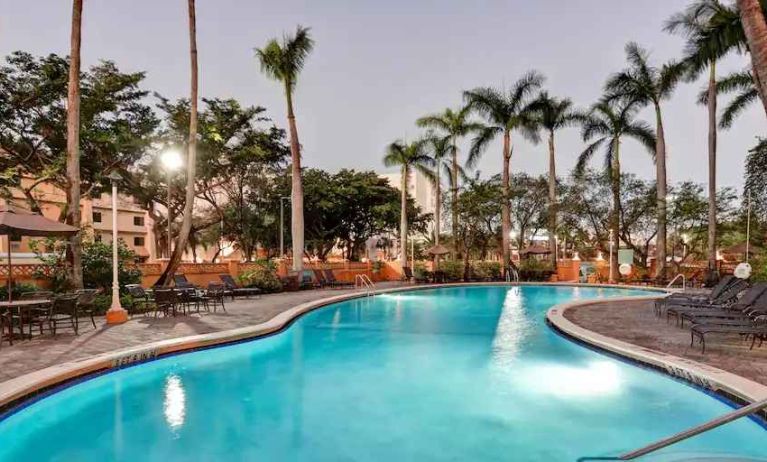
(460, 373)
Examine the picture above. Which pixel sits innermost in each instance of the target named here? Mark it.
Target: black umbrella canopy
(20, 222)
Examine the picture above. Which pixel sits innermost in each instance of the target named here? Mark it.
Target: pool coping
(16, 392)
(712, 379)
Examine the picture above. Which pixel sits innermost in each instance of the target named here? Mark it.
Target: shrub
(262, 275)
(97, 264)
(531, 269)
(487, 270)
(453, 269)
(18, 288)
(420, 272)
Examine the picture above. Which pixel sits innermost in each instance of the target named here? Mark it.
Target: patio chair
(235, 289)
(166, 301)
(215, 296)
(181, 282)
(743, 311)
(321, 279)
(5, 323)
(756, 329)
(681, 297)
(86, 303)
(141, 302)
(63, 311)
(729, 298)
(331, 278)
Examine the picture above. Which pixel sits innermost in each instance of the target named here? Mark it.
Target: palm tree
(702, 51)
(73, 143)
(554, 114)
(284, 62)
(603, 128)
(439, 148)
(454, 125)
(407, 157)
(743, 86)
(752, 18)
(505, 113)
(643, 84)
(191, 158)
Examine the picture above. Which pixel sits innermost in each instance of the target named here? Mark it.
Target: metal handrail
(363, 281)
(684, 281)
(718, 422)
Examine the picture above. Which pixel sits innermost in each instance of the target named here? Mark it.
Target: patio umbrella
(19, 222)
(438, 250)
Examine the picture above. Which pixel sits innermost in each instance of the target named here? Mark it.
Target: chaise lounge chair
(682, 298)
(753, 298)
(331, 279)
(756, 329)
(726, 298)
(233, 289)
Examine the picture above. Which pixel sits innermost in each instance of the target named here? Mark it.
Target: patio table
(19, 308)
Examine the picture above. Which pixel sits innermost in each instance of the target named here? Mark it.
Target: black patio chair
(321, 279)
(725, 298)
(331, 278)
(181, 282)
(704, 298)
(233, 289)
(5, 323)
(756, 330)
(86, 303)
(214, 296)
(141, 301)
(63, 311)
(166, 301)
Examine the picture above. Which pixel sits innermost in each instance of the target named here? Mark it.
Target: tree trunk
(437, 210)
(403, 219)
(454, 198)
(73, 144)
(506, 206)
(191, 159)
(712, 166)
(615, 213)
(297, 189)
(552, 202)
(660, 166)
(755, 27)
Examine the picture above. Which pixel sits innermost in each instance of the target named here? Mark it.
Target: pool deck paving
(635, 322)
(46, 350)
(632, 322)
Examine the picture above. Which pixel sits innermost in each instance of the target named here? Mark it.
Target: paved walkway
(634, 322)
(44, 351)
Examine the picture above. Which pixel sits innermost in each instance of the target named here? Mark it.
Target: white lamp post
(116, 314)
(172, 161)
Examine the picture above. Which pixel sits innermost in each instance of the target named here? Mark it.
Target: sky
(379, 65)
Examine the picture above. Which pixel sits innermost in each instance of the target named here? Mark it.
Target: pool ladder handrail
(362, 281)
(689, 433)
(512, 272)
(684, 281)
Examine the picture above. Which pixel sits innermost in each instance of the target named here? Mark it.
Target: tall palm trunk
(755, 27)
(437, 212)
(191, 158)
(73, 144)
(297, 189)
(403, 218)
(660, 165)
(506, 208)
(615, 213)
(712, 166)
(552, 201)
(454, 198)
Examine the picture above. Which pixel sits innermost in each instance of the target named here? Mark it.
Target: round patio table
(19, 308)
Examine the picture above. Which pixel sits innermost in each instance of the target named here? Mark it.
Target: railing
(684, 281)
(718, 422)
(512, 275)
(362, 281)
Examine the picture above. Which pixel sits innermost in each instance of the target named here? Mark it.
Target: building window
(138, 241)
(138, 221)
(97, 217)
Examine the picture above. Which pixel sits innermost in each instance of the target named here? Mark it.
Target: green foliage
(17, 289)
(97, 264)
(487, 269)
(263, 276)
(531, 269)
(420, 272)
(453, 269)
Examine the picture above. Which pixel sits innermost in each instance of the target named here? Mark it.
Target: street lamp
(282, 225)
(172, 161)
(116, 314)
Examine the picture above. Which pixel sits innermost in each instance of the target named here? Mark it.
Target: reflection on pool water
(460, 373)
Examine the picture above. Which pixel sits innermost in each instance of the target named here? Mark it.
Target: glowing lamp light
(171, 159)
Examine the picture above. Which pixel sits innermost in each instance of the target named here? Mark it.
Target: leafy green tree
(604, 128)
(479, 223)
(646, 85)
(284, 62)
(453, 124)
(554, 114)
(528, 198)
(504, 113)
(406, 156)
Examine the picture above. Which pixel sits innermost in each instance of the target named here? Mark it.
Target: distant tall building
(419, 188)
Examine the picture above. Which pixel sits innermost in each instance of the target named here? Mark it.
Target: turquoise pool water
(454, 374)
